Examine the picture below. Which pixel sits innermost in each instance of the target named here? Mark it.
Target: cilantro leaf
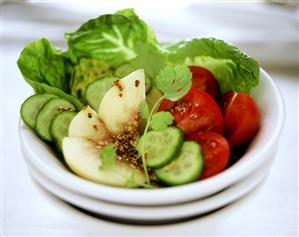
(174, 81)
(161, 120)
(143, 110)
(108, 155)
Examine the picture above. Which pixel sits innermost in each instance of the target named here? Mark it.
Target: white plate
(260, 151)
(153, 214)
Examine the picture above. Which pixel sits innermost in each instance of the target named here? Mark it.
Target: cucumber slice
(96, 90)
(185, 168)
(31, 107)
(47, 113)
(59, 127)
(161, 146)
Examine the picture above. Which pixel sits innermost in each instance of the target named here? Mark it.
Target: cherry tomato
(203, 79)
(241, 117)
(195, 112)
(216, 152)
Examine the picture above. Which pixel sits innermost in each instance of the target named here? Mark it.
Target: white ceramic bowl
(153, 214)
(258, 153)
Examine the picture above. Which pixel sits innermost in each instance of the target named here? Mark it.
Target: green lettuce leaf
(150, 34)
(85, 72)
(110, 38)
(40, 62)
(233, 69)
(149, 58)
(46, 70)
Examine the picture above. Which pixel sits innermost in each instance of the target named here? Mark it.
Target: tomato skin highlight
(241, 117)
(195, 112)
(216, 152)
(204, 80)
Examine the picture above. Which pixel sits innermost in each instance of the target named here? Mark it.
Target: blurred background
(265, 30)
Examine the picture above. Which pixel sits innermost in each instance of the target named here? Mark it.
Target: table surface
(26, 210)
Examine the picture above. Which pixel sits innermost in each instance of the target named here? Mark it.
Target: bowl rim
(147, 213)
(162, 196)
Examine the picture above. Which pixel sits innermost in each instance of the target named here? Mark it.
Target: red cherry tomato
(216, 152)
(203, 79)
(195, 112)
(241, 117)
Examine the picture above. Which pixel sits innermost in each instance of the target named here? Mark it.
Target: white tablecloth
(270, 210)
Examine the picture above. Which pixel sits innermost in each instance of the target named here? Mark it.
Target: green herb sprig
(174, 81)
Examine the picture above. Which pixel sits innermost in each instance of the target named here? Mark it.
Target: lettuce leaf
(117, 44)
(46, 69)
(110, 38)
(85, 72)
(39, 61)
(150, 34)
(149, 58)
(233, 69)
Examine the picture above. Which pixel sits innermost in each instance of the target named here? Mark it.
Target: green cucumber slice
(185, 168)
(161, 146)
(59, 127)
(31, 107)
(47, 113)
(96, 90)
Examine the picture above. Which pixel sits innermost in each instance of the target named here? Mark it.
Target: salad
(121, 109)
